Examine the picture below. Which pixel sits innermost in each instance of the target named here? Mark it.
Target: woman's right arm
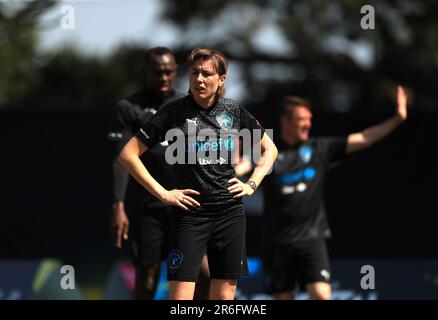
(129, 158)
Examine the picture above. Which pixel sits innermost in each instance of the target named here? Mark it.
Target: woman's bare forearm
(129, 158)
(267, 159)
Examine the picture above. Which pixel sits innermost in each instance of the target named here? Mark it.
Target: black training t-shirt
(204, 140)
(293, 192)
(129, 116)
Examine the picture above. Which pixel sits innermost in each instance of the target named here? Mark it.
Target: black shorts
(222, 239)
(288, 265)
(150, 234)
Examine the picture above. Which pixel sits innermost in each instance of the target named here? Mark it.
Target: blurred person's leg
(319, 291)
(150, 233)
(314, 269)
(146, 281)
(288, 295)
(223, 289)
(202, 290)
(280, 271)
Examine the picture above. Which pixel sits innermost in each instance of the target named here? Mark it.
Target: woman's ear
(222, 80)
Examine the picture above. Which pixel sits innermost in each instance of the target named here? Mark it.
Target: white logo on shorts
(325, 274)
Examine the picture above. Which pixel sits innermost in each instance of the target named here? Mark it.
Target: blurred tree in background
(305, 47)
(62, 80)
(18, 40)
(325, 54)
(70, 80)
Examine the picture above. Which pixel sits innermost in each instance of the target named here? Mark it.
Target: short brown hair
(291, 102)
(220, 63)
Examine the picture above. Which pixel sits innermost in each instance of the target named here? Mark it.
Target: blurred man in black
(296, 227)
(296, 223)
(149, 216)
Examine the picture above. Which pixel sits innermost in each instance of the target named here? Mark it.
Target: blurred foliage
(65, 79)
(18, 39)
(319, 51)
(325, 47)
(70, 80)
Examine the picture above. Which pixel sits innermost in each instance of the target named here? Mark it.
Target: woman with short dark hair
(209, 216)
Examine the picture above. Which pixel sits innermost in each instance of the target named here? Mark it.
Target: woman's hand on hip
(239, 189)
(180, 198)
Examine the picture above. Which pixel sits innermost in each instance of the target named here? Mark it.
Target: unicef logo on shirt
(225, 120)
(229, 144)
(290, 178)
(309, 173)
(306, 153)
(175, 259)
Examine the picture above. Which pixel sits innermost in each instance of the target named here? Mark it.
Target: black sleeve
(247, 121)
(119, 134)
(154, 130)
(120, 130)
(120, 181)
(333, 148)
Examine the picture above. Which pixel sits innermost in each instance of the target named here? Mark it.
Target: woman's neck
(205, 103)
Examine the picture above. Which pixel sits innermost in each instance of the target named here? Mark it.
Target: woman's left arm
(268, 155)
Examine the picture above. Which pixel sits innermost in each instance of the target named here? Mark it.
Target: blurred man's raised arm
(366, 138)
